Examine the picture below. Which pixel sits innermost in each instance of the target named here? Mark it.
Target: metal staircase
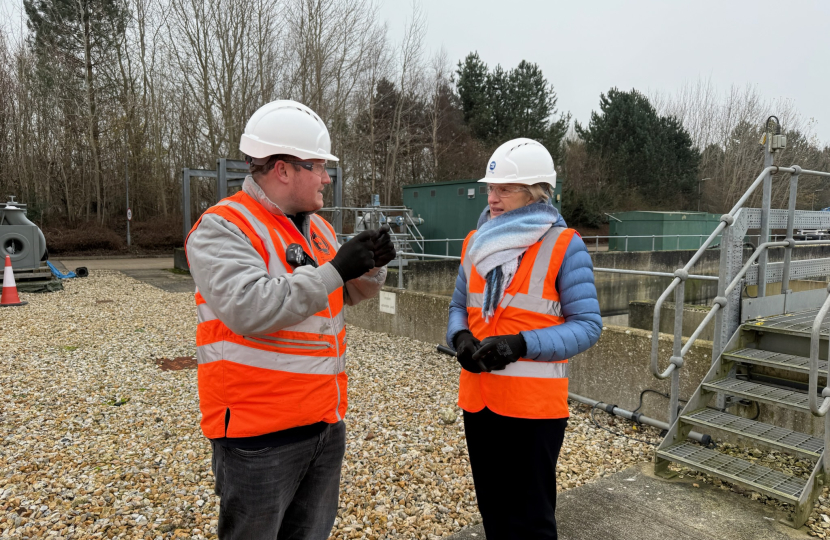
(758, 367)
(769, 350)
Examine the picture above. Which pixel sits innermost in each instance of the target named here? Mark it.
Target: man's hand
(465, 346)
(384, 248)
(496, 352)
(355, 257)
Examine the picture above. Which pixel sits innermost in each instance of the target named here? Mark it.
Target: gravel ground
(98, 442)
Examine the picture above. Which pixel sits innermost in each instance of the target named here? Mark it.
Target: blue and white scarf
(499, 243)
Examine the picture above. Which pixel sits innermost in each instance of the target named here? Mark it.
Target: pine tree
(472, 85)
(643, 150)
(499, 105)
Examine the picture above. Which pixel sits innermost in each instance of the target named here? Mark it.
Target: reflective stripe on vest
(292, 377)
(526, 388)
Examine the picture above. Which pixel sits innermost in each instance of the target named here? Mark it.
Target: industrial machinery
(20, 239)
(404, 226)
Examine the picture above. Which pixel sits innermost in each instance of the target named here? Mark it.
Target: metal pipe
(766, 204)
(635, 417)
(788, 251)
(400, 271)
(649, 273)
(677, 356)
(655, 336)
(815, 338)
(758, 251)
(709, 316)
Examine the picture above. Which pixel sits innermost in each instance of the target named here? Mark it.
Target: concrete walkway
(155, 271)
(636, 505)
(110, 263)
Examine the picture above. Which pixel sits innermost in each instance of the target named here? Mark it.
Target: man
(271, 282)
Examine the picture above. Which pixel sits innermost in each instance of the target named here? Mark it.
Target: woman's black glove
(465, 346)
(384, 248)
(496, 352)
(355, 257)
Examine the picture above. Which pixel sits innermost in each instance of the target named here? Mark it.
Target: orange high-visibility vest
(290, 378)
(526, 388)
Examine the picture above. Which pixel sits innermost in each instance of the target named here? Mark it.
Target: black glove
(496, 352)
(355, 257)
(465, 345)
(384, 248)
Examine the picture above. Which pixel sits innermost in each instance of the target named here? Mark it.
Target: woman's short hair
(539, 192)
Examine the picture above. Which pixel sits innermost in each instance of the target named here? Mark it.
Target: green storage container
(451, 210)
(662, 231)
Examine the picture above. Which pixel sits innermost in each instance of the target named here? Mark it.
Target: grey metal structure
(762, 349)
(231, 173)
(404, 226)
(20, 239)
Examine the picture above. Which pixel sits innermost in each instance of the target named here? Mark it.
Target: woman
(524, 303)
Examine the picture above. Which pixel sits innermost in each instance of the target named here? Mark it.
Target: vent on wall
(482, 189)
(414, 194)
(461, 191)
(432, 193)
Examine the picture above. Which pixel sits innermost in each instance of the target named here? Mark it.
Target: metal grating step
(773, 483)
(760, 392)
(796, 324)
(784, 439)
(776, 360)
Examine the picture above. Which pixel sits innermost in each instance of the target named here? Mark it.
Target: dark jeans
(284, 493)
(514, 471)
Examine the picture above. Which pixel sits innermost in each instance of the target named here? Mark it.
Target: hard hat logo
(492, 166)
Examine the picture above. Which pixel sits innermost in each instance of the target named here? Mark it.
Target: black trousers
(514, 471)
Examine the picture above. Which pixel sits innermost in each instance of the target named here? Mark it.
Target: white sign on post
(387, 302)
(129, 214)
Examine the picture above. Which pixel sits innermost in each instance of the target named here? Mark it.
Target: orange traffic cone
(9, 297)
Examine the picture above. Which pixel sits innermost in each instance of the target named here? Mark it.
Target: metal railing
(815, 337)
(594, 241)
(602, 270)
(724, 290)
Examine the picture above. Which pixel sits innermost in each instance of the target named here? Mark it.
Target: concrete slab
(153, 271)
(636, 505)
(163, 279)
(159, 263)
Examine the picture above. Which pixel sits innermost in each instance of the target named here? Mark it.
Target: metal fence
(595, 244)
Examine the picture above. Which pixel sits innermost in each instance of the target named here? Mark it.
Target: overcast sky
(585, 47)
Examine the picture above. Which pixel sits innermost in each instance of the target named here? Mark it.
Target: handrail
(815, 338)
(720, 302)
(726, 220)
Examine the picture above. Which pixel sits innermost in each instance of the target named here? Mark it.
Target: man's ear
(280, 172)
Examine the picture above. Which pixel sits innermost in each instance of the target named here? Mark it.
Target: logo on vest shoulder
(320, 243)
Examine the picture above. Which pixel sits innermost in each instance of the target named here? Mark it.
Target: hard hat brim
(524, 181)
(252, 146)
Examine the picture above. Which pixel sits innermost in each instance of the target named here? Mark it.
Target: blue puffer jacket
(577, 297)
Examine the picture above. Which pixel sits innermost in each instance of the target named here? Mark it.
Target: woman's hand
(465, 347)
(496, 352)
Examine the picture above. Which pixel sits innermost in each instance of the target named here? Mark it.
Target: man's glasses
(504, 191)
(317, 168)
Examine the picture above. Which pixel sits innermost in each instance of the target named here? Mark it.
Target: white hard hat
(286, 127)
(520, 161)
